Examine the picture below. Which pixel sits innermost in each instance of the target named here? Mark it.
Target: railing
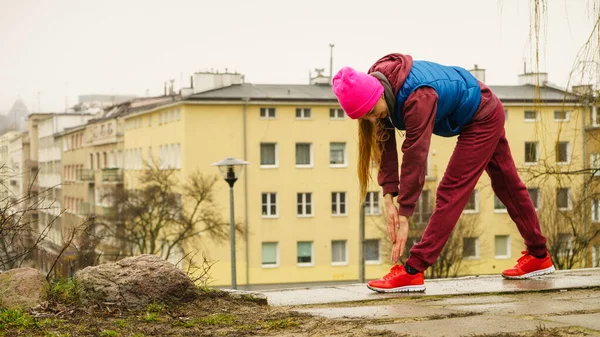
(86, 175)
(112, 175)
(85, 208)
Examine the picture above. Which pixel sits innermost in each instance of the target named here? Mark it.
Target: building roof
(269, 92)
(305, 92)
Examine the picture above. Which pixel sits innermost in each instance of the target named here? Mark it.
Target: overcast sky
(65, 48)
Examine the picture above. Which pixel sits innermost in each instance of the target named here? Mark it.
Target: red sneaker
(528, 266)
(398, 280)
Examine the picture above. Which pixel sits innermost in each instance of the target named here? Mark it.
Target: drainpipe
(585, 214)
(246, 193)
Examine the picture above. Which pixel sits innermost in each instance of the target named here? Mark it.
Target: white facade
(16, 163)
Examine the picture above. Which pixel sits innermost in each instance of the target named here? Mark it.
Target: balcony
(86, 175)
(85, 209)
(112, 175)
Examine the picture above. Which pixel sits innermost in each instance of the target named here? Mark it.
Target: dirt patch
(213, 314)
(542, 332)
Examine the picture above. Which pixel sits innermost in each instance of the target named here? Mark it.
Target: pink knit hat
(356, 91)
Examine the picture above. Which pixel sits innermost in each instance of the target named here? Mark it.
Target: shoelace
(393, 272)
(523, 259)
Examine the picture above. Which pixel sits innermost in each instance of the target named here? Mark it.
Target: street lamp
(230, 169)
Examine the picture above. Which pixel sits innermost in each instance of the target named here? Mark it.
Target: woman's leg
(474, 148)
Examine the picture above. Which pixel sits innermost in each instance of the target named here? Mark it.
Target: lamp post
(231, 169)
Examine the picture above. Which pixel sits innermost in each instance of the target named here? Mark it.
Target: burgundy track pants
(482, 145)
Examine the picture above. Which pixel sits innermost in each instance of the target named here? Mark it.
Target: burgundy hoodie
(418, 114)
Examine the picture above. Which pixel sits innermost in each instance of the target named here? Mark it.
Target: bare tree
(161, 214)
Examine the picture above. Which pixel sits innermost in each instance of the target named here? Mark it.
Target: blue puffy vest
(458, 96)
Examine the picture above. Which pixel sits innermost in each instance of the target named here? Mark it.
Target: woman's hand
(401, 236)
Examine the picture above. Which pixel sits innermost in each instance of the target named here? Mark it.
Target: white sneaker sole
(405, 289)
(532, 274)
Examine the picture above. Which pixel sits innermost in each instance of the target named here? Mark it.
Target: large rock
(135, 282)
(22, 288)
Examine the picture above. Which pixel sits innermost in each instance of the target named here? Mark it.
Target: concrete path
(563, 304)
(574, 279)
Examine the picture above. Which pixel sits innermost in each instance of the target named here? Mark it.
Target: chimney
(583, 90)
(205, 81)
(478, 73)
(535, 79)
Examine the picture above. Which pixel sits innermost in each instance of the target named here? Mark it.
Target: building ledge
(471, 285)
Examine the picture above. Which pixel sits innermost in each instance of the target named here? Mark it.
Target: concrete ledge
(250, 296)
(567, 279)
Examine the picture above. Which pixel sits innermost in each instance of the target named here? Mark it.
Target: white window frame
(345, 164)
(569, 200)
(476, 210)
(567, 116)
(378, 261)
(477, 250)
(595, 163)
(266, 110)
(268, 166)
(508, 250)
(499, 210)
(304, 214)
(271, 216)
(340, 263)
(311, 155)
(530, 120)
(374, 210)
(568, 154)
(276, 265)
(335, 114)
(595, 210)
(338, 204)
(537, 153)
(303, 113)
(312, 255)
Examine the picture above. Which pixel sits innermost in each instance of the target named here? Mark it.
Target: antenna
(331, 45)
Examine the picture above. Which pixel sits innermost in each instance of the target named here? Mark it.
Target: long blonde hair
(370, 138)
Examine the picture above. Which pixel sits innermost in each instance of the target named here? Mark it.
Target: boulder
(22, 288)
(135, 282)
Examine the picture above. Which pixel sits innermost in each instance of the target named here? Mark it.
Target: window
(177, 156)
(305, 204)
(337, 154)
(338, 203)
(269, 205)
(561, 116)
(531, 115)
(372, 203)
(502, 246)
(268, 155)
(473, 203)
(160, 118)
(505, 114)
(372, 251)
(336, 114)
(172, 116)
(563, 199)
(120, 159)
(304, 155)
(91, 161)
(270, 254)
(305, 253)
(303, 113)
(423, 209)
(177, 114)
(498, 205)
(150, 120)
(339, 252)
(531, 152)
(470, 248)
(562, 152)
(596, 256)
(595, 164)
(172, 157)
(267, 113)
(534, 194)
(150, 161)
(596, 210)
(111, 159)
(565, 244)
